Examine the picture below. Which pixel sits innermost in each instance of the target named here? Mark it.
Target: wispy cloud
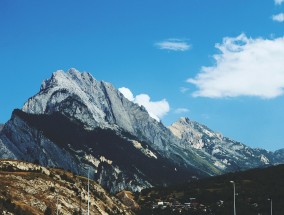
(183, 89)
(173, 45)
(278, 17)
(278, 2)
(181, 110)
(245, 67)
(156, 109)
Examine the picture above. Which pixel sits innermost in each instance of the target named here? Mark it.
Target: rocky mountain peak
(77, 95)
(183, 126)
(68, 79)
(94, 103)
(184, 120)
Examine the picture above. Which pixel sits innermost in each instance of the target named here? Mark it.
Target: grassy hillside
(215, 195)
(31, 189)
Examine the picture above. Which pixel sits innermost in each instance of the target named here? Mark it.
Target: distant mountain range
(78, 123)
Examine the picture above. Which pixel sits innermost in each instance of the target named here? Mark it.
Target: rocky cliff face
(27, 188)
(230, 155)
(78, 123)
(117, 159)
(94, 103)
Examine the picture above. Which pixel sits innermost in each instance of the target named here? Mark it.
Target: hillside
(214, 195)
(28, 188)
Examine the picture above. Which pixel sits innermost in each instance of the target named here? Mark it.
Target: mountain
(28, 188)
(78, 123)
(278, 156)
(230, 155)
(214, 195)
(98, 104)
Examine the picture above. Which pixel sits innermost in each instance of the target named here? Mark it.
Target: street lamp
(234, 185)
(88, 192)
(271, 211)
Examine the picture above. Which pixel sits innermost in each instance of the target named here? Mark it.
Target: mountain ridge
(77, 122)
(227, 151)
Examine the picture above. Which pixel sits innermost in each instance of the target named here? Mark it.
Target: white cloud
(173, 45)
(156, 109)
(278, 2)
(245, 67)
(127, 93)
(181, 110)
(278, 17)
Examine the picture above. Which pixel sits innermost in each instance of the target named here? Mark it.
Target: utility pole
(271, 210)
(88, 192)
(234, 185)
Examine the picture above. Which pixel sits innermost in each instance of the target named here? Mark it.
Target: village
(193, 206)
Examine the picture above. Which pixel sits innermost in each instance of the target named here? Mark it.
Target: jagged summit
(184, 120)
(60, 77)
(72, 76)
(58, 91)
(184, 124)
(81, 96)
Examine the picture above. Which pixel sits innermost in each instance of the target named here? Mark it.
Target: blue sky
(163, 49)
